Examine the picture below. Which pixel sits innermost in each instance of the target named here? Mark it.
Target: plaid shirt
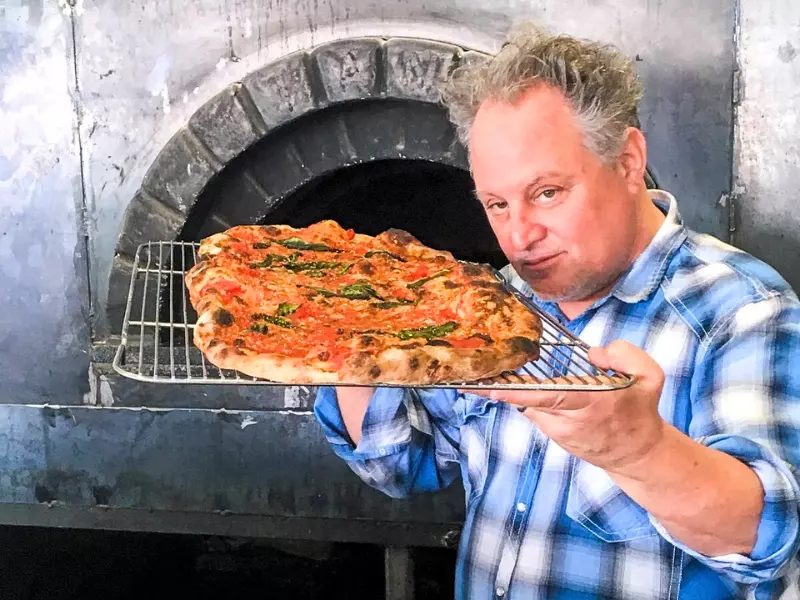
(542, 524)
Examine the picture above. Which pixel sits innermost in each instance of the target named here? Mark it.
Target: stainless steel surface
(160, 350)
(255, 473)
(44, 294)
(767, 140)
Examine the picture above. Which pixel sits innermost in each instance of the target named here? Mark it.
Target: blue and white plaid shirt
(542, 524)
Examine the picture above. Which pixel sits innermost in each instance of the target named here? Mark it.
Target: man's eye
(496, 207)
(547, 196)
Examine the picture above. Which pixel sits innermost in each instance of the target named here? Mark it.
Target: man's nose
(526, 231)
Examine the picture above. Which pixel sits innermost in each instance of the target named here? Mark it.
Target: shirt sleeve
(409, 439)
(746, 403)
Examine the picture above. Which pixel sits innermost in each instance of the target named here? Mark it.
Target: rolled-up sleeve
(777, 537)
(408, 444)
(746, 403)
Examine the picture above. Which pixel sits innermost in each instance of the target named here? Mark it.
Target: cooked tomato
(468, 343)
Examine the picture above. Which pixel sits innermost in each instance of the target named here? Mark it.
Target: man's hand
(610, 429)
(707, 499)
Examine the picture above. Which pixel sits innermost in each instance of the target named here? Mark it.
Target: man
(679, 486)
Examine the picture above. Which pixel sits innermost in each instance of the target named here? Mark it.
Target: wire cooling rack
(156, 338)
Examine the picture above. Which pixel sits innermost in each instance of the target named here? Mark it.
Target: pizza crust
(513, 343)
(413, 363)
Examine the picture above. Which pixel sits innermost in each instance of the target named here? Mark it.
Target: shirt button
(500, 592)
(521, 507)
(383, 452)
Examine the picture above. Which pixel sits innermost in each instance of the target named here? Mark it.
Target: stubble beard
(583, 285)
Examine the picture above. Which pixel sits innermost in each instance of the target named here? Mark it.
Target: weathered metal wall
(43, 263)
(767, 157)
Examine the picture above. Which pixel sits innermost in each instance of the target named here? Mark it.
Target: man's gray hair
(600, 84)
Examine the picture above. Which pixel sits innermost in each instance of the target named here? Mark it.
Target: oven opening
(432, 201)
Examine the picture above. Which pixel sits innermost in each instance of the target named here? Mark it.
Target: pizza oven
(350, 130)
(142, 121)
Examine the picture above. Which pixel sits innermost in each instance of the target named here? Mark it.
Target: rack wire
(156, 339)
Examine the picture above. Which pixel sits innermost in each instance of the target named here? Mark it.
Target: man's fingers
(624, 357)
(561, 400)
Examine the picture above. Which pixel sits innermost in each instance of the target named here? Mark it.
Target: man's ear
(632, 161)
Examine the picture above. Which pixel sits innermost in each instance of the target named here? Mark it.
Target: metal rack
(156, 342)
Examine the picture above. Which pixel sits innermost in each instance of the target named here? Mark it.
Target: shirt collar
(645, 274)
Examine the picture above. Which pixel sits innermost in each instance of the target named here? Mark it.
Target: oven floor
(59, 564)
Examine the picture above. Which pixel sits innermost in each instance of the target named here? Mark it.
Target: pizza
(322, 304)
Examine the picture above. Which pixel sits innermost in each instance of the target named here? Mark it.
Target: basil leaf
(269, 260)
(391, 304)
(259, 328)
(285, 309)
(280, 322)
(372, 253)
(314, 265)
(432, 331)
(322, 291)
(262, 245)
(360, 290)
(345, 269)
(295, 243)
(420, 282)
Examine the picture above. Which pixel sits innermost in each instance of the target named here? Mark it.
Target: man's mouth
(540, 262)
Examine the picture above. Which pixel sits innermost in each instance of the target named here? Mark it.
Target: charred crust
(324, 355)
(444, 343)
(482, 336)
(523, 345)
(360, 359)
(375, 371)
(239, 352)
(451, 285)
(224, 352)
(214, 342)
(366, 340)
(471, 270)
(411, 346)
(238, 342)
(202, 258)
(340, 331)
(366, 268)
(432, 367)
(413, 363)
(400, 237)
(223, 318)
(271, 230)
(482, 283)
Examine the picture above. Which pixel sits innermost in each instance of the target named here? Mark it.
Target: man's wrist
(662, 442)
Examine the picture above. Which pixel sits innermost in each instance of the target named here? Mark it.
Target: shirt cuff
(777, 538)
(385, 429)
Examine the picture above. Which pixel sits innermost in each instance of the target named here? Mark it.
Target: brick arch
(398, 77)
(403, 73)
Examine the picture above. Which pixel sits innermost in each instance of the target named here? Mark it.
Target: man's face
(566, 221)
